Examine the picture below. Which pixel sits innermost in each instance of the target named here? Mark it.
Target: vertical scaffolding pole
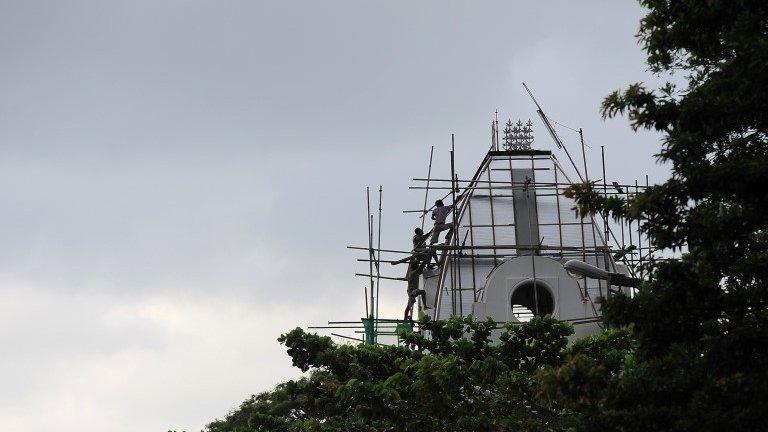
(639, 238)
(629, 233)
(426, 192)
(583, 253)
(472, 244)
(455, 230)
(605, 193)
(493, 222)
(557, 202)
(534, 252)
(535, 201)
(371, 256)
(583, 154)
(605, 221)
(648, 240)
(457, 260)
(591, 218)
(378, 260)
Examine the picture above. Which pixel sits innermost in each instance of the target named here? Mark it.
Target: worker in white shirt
(439, 215)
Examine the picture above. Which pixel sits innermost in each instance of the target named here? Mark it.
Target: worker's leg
(426, 255)
(408, 314)
(449, 235)
(435, 257)
(422, 256)
(423, 294)
(439, 227)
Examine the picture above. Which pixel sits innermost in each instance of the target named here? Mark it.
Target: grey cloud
(167, 160)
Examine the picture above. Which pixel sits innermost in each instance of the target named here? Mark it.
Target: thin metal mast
(552, 132)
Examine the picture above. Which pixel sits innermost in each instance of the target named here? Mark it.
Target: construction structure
(513, 231)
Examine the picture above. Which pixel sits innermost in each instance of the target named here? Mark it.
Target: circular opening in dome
(528, 302)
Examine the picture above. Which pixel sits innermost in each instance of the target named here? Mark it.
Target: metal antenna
(552, 132)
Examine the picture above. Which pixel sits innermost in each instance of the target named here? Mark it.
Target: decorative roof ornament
(518, 136)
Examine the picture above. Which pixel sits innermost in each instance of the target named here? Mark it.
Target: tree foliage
(455, 380)
(700, 322)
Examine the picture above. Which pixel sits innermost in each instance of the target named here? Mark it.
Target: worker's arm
(458, 198)
(402, 261)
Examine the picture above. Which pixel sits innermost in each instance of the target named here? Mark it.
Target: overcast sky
(179, 178)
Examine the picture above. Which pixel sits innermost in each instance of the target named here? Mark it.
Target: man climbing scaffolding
(420, 249)
(439, 215)
(415, 268)
(419, 238)
(421, 255)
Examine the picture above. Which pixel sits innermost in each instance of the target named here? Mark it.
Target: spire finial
(518, 136)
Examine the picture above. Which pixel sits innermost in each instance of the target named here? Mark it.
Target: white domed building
(514, 231)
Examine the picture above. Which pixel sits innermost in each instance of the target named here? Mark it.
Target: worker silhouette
(415, 268)
(420, 249)
(421, 256)
(419, 238)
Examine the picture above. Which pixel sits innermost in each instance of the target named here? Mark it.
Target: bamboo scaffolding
(466, 252)
(426, 192)
(383, 277)
(378, 257)
(600, 249)
(624, 186)
(371, 310)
